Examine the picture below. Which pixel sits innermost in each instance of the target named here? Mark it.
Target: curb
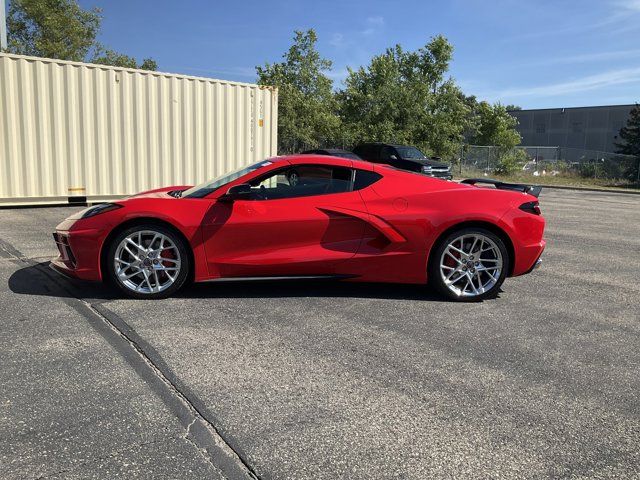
(591, 189)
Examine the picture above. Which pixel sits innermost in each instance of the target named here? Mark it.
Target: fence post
(488, 158)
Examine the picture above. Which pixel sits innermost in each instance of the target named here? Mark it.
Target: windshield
(410, 152)
(206, 188)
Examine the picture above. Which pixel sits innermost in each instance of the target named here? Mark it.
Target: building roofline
(630, 105)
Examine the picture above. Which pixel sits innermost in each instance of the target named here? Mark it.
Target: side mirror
(238, 192)
(393, 157)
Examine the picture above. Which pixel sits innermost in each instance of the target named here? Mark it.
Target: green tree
(471, 121)
(404, 96)
(60, 29)
(630, 145)
(494, 126)
(630, 134)
(110, 57)
(306, 107)
(52, 29)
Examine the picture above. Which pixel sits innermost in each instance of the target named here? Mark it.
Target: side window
(385, 154)
(302, 181)
(365, 178)
(279, 180)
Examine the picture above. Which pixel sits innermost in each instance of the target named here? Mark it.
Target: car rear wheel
(469, 265)
(293, 178)
(148, 261)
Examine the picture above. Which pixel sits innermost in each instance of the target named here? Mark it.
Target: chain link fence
(541, 164)
(553, 164)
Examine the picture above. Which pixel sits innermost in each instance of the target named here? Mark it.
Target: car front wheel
(148, 261)
(469, 265)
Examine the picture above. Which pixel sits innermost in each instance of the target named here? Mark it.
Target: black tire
(293, 177)
(435, 275)
(183, 267)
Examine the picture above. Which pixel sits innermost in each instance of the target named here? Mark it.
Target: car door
(289, 226)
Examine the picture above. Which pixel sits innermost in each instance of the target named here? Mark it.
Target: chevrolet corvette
(310, 216)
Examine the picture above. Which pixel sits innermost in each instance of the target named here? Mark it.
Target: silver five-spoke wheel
(147, 262)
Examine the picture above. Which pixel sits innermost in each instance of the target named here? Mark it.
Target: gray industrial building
(576, 129)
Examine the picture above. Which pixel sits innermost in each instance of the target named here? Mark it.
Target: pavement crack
(9, 251)
(197, 445)
(188, 430)
(199, 430)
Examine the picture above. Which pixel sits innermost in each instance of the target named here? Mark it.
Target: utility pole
(3, 26)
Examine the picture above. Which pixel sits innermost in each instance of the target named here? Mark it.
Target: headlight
(426, 169)
(98, 209)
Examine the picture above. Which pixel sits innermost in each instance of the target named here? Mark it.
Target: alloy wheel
(471, 265)
(147, 262)
(293, 178)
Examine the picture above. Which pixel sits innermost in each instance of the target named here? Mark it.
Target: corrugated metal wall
(72, 129)
(588, 128)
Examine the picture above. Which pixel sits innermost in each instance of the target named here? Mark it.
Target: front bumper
(79, 254)
(66, 257)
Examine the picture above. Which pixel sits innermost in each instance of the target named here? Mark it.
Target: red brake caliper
(450, 262)
(170, 255)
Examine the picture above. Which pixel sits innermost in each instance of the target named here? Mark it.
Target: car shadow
(40, 279)
(307, 288)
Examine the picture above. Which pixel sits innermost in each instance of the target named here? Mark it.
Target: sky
(531, 53)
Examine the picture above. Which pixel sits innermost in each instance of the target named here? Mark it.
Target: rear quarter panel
(422, 208)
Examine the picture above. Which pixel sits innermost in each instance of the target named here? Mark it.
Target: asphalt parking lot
(328, 380)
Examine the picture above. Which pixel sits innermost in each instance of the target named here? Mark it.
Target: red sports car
(309, 216)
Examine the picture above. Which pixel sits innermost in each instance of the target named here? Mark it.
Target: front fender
(183, 215)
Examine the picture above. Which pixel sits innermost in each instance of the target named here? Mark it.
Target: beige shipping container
(72, 131)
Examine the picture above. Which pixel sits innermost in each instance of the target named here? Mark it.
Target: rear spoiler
(518, 187)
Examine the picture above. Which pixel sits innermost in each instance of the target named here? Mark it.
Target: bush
(563, 167)
(510, 162)
(631, 170)
(588, 170)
